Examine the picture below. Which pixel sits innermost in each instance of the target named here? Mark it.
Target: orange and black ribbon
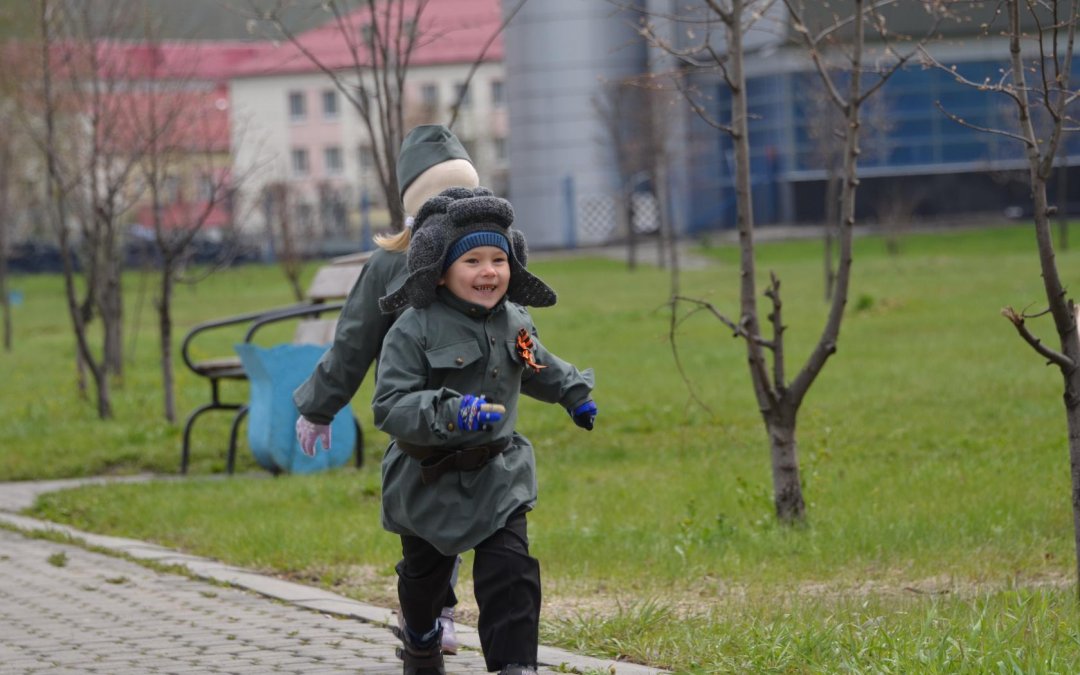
(524, 350)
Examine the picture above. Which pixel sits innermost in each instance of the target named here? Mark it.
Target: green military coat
(430, 359)
(360, 331)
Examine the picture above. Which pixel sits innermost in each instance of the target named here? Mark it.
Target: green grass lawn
(933, 451)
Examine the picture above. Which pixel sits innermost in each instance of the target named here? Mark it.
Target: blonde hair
(395, 243)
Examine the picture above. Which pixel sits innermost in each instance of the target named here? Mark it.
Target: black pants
(506, 580)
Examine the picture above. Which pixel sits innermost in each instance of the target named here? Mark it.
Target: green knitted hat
(443, 221)
(424, 147)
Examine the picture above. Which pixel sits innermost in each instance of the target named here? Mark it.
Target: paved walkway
(89, 607)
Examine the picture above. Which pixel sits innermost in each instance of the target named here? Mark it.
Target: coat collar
(466, 307)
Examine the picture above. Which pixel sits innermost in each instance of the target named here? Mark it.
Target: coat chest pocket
(454, 356)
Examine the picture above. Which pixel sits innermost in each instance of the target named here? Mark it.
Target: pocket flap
(457, 355)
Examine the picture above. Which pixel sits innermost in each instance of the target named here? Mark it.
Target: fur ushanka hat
(442, 221)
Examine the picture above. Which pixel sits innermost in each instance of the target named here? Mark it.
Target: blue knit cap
(471, 241)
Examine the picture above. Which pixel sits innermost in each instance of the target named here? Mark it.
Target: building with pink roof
(294, 130)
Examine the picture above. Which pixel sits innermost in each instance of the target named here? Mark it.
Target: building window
(301, 163)
(330, 104)
(170, 189)
(500, 149)
(332, 160)
(305, 215)
(297, 106)
(429, 94)
(365, 158)
(463, 94)
(204, 187)
(498, 94)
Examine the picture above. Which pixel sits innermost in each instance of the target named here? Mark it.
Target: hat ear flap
(417, 291)
(518, 246)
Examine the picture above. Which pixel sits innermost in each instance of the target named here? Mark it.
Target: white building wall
(263, 135)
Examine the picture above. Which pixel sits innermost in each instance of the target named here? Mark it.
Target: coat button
(459, 360)
(495, 373)
(492, 341)
(449, 426)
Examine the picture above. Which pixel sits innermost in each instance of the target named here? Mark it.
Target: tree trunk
(5, 302)
(787, 488)
(1063, 200)
(164, 307)
(832, 218)
(112, 318)
(667, 227)
(631, 235)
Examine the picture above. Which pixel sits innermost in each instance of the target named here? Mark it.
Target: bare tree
(58, 193)
(380, 37)
(6, 162)
(285, 237)
(1038, 83)
(82, 126)
(826, 131)
(181, 132)
(631, 114)
(779, 398)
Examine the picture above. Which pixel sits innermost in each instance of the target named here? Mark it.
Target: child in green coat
(457, 476)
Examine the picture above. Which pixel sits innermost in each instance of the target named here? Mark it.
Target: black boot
(518, 670)
(421, 660)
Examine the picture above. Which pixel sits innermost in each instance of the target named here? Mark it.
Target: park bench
(324, 296)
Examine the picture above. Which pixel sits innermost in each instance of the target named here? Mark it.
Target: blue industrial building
(564, 180)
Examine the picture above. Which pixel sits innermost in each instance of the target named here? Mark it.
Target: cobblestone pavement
(66, 608)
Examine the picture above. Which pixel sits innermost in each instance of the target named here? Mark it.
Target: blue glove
(476, 414)
(584, 415)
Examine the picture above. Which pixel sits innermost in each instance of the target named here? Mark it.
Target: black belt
(435, 461)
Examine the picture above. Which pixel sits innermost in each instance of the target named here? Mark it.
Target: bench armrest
(268, 318)
(232, 321)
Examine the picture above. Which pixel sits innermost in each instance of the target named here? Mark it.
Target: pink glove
(309, 432)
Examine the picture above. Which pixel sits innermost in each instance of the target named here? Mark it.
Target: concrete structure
(559, 54)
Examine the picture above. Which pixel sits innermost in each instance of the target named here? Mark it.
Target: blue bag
(274, 373)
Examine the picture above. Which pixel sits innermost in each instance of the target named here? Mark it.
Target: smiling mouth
(484, 289)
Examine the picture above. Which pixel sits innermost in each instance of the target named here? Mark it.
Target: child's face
(480, 276)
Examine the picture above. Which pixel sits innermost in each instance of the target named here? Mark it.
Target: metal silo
(558, 53)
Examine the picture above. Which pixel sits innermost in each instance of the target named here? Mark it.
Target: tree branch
(773, 293)
(990, 130)
(1053, 356)
(479, 59)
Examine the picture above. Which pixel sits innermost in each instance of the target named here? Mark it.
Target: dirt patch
(568, 600)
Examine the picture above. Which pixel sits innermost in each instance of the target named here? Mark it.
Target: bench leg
(231, 461)
(185, 453)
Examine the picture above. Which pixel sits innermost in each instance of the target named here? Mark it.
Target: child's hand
(476, 414)
(584, 415)
(309, 432)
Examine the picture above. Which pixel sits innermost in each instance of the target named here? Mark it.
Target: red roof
(450, 31)
(194, 61)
